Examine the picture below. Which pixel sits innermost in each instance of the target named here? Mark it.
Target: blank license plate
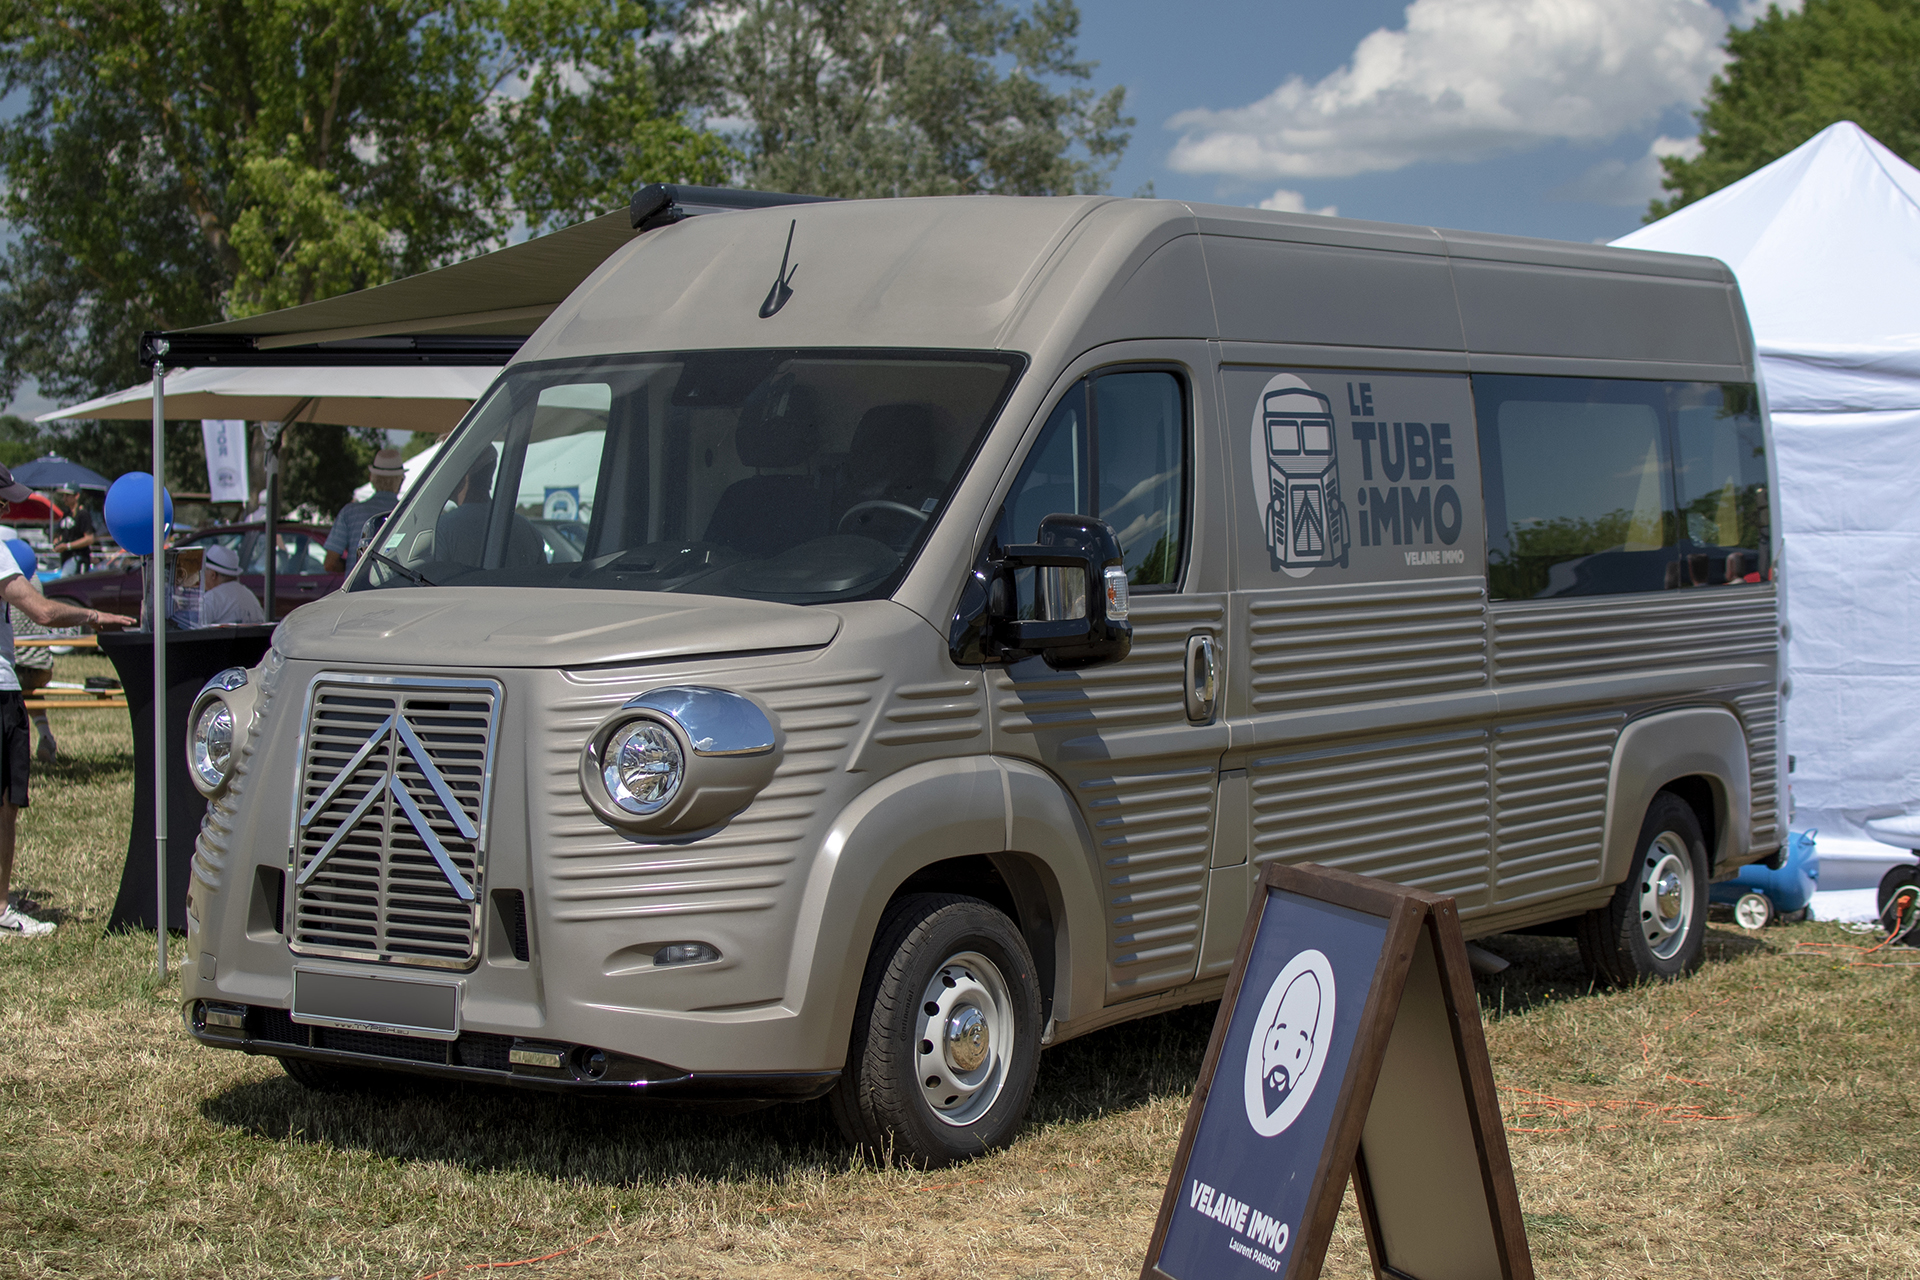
(388, 1005)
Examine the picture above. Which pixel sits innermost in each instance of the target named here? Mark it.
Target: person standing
(15, 741)
(73, 533)
(224, 599)
(343, 540)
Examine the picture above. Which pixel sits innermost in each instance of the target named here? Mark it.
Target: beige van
(854, 646)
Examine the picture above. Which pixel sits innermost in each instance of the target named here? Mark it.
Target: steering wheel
(879, 504)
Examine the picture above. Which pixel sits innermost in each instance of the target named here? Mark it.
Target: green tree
(863, 98)
(1792, 75)
(176, 162)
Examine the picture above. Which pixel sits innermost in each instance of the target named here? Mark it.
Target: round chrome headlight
(210, 744)
(642, 767)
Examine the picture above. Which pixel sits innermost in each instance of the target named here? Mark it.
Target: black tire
(1900, 919)
(912, 1097)
(328, 1077)
(1656, 925)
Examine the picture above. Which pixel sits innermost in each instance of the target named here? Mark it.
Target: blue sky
(1532, 117)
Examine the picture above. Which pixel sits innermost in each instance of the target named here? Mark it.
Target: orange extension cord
(523, 1262)
(1904, 923)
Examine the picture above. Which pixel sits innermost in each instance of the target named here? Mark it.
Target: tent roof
(412, 398)
(1825, 242)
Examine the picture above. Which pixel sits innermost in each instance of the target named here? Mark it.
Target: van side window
(1114, 447)
(1578, 492)
(1721, 467)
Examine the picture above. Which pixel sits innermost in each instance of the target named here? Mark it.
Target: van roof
(1057, 276)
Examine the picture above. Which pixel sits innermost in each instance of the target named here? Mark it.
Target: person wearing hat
(224, 599)
(15, 740)
(73, 533)
(343, 540)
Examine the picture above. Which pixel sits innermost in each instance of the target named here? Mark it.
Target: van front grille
(390, 824)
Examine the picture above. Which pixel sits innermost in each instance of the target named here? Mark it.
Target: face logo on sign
(1296, 478)
(1289, 1043)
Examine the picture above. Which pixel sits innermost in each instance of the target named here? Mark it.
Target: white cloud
(1466, 79)
(1751, 11)
(1627, 183)
(1285, 201)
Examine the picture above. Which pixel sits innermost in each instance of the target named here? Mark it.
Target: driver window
(1114, 447)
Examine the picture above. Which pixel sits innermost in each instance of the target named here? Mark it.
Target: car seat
(763, 515)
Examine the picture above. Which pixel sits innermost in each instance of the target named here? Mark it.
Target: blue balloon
(129, 511)
(23, 556)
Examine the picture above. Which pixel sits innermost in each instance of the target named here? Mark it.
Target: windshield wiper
(418, 579)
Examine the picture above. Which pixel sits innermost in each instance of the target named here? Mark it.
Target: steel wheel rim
(1749, 913)
(963, 1038)
(1666, 895)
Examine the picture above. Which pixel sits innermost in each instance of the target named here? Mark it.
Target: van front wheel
(946, 1040)
(1655, 928)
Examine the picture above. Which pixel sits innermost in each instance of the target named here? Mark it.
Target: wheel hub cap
(967, 1039)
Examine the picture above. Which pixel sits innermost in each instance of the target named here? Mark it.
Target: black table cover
(193, 658)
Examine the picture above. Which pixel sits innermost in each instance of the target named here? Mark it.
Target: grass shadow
(595, 1141)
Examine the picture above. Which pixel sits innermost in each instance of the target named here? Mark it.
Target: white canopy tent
(1826, 244)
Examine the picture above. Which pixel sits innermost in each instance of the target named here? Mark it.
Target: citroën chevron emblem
(395, 727)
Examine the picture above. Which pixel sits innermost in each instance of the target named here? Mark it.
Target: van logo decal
(1296, 478)
(404, 745)
(782, 279)
(1289, 1043)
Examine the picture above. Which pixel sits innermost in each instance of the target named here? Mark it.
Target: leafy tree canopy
(183, 161)
(863, 98)
(1792, 75)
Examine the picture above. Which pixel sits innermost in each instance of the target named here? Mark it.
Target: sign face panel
(226, 444)
(1348, 1045)
(1249, 1177)
(1350, 476)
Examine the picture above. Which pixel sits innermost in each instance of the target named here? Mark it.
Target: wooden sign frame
(1410, 1133)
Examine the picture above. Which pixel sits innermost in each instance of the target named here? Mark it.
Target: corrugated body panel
(1550, 793)
(1326, 646)
(1760, 713)
(918, 715)
(595, 874)
(1413, 811)
(1151, 814)
(1563, 640)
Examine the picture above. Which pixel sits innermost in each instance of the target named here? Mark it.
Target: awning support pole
(157, 610)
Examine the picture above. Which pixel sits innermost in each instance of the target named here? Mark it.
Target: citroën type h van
(854, 646)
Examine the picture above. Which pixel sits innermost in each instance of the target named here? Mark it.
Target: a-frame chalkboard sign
(1348, 1045)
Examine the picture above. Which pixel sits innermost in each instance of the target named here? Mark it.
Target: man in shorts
(16, 742)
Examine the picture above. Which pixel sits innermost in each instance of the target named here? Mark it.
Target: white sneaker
(19, 924)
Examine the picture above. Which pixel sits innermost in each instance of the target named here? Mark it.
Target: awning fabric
(416, 398)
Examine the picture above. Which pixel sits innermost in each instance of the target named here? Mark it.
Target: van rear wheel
(946, 1040)
(1655, 928)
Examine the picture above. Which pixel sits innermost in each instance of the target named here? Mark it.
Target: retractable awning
(422, 398)
(475, 312)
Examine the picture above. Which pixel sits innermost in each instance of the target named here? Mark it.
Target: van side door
(1126, 443)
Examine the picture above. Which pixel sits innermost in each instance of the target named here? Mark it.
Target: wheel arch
(1699, 754)
(1000, 830)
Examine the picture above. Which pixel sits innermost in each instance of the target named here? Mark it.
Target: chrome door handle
(1203, 677)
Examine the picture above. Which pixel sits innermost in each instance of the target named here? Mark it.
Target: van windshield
(797, 476)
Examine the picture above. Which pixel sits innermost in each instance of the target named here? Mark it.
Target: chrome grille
(390, 825)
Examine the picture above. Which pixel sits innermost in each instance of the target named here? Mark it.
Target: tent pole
(158, 612)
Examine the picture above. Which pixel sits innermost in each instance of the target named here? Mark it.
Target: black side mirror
(1080, 596)
(368, 532)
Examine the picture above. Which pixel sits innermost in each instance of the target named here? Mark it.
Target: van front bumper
(483, 1058)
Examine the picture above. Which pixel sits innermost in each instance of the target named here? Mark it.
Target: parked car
(301, 569)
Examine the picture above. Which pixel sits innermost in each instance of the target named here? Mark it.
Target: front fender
(976, 806)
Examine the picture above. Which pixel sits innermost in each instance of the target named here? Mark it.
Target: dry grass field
(1758, 1121)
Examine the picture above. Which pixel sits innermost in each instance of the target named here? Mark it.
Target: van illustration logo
(1289, 1043)
(782, 279)
(404, 740)
(1297, 468)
